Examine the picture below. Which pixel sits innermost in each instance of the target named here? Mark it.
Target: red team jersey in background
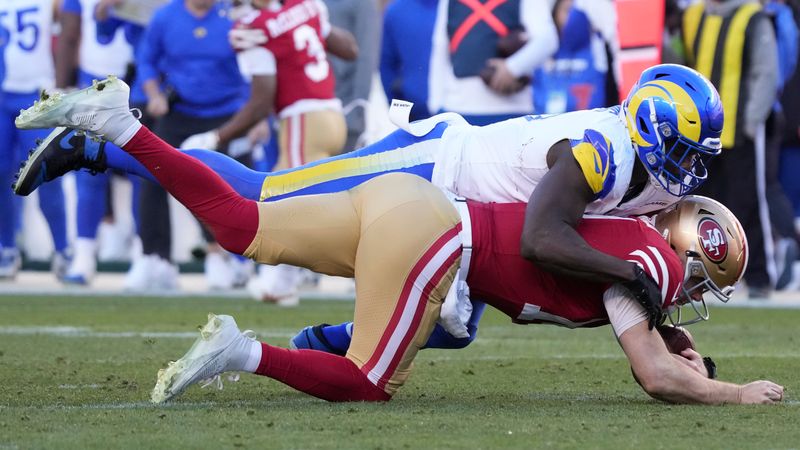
(499, 276)
(295, 36)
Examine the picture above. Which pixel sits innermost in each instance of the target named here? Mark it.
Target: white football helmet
(713, 247)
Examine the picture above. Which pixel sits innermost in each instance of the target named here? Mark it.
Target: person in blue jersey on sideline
(26, 29)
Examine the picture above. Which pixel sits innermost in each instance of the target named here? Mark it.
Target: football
(677, 339)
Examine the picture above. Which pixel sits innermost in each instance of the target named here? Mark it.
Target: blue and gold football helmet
(675, 119)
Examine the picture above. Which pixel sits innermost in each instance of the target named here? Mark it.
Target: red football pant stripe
(424, 276)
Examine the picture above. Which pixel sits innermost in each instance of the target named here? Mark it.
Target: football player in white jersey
(403, 239)
(633, 159)
(28, 60)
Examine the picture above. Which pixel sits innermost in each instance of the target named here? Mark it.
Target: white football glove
(206, 141)
(456, 309)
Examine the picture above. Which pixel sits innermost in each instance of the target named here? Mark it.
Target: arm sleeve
(542, 38)
(623, 311)
(594, 155)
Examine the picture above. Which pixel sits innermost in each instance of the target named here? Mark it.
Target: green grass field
(77, 373)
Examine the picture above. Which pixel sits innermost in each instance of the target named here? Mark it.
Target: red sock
(232, 218)
(323, 375)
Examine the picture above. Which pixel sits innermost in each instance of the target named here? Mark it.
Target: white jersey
(504, 162)
(101, 59)
(28, 53)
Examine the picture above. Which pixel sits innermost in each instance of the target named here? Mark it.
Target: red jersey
(293, 34)
(499, 276)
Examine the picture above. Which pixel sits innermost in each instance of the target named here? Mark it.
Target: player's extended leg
(408, 291)
(399, 236)
(63, 151)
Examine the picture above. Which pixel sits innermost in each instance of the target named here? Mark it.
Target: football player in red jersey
(281, 48)
(405, 241)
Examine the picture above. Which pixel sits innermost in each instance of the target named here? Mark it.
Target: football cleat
(101, 109)
(219, 345)
(312, 338)
(63, 151)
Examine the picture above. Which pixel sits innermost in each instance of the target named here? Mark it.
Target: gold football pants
(397, 235)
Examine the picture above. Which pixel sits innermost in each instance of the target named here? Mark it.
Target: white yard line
(143, 405)
(85, 332)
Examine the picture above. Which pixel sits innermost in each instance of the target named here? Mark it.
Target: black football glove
(646, 291)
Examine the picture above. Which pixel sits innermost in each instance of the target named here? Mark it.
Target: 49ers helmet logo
(712, 240)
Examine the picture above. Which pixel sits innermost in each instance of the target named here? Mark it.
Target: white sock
(253, 357)
(246, 356)
(129, 131)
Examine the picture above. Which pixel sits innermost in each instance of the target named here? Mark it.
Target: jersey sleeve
(248, 37)
(595, 156)
(256, 61)
(248, 33)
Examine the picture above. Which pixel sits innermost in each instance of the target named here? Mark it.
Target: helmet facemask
(713, 248)
(678, 163)
(696, 283)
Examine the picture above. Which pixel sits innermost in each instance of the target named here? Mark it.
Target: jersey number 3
(307, 40)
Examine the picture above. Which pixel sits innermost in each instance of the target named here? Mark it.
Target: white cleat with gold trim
(101, 109)
(220, 344)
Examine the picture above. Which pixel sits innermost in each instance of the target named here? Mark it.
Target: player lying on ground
(401, 238)
(563, 165)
